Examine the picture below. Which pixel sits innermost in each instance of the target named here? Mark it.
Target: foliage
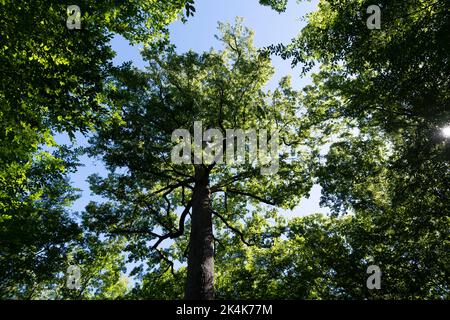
(36, 234)
(367, 130)
(149, 196)
(379, 99)
(52, 81)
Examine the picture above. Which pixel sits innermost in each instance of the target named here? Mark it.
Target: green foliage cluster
(380, 99)
(52, 81)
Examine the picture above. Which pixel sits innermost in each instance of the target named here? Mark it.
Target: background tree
(318, 257)
(152, 199)
(381, 98)
(52, 82)
(313, 261)
(36, 230)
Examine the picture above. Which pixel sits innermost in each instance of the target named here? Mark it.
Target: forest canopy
(371, 128)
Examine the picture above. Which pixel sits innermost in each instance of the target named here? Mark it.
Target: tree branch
(168, 189)
(170, 262)
(247, 194)
(239, 233)
(179, 232)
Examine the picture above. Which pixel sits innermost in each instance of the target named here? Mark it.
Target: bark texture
(200, 273)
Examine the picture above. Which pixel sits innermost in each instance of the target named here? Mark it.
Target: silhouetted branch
(170, 262)
(247, 194)
(238, 232)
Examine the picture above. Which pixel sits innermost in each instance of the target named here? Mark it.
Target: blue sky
(197, 34)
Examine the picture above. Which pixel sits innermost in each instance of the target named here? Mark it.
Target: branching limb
(178, 233)
(247, 194)
(219, 242)
(238, 232)
(161, 238)
(168, 189)
(238, 177)
(170, 262)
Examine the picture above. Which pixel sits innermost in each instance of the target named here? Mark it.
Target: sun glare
(446, 132)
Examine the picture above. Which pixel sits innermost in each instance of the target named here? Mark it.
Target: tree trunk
(200, 273)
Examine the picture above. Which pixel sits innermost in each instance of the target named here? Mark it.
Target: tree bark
(200, 273)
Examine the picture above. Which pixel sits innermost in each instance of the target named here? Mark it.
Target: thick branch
(168, 189)
(233, 179)
(161, 238)
(239, 233)
(247, 194)
(179, 232)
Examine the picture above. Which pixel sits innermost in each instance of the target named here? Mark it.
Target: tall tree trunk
(200, 273)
